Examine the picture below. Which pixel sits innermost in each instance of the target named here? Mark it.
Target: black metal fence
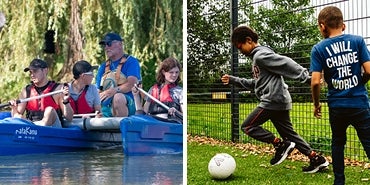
(212, 112)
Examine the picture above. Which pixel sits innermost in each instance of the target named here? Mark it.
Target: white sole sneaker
(285, 155)
(321, 166)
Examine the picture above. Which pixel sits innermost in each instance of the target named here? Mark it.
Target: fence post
(234, 71)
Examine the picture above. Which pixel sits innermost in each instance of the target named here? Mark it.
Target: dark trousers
(340, 119)
(281, 120)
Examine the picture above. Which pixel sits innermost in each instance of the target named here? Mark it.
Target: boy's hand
(317, 111)
(65, 92)
(225, 79)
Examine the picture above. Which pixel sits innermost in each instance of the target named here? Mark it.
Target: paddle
(32, 98)
(87, 114)
(82, 115)
(177, 113)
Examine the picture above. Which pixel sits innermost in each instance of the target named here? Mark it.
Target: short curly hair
(331, 17)
(241, 33)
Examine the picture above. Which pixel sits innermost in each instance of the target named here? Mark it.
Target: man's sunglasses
(109, 44)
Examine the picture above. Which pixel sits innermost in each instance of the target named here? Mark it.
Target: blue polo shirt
(130, 68)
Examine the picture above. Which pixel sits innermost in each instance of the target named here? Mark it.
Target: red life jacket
(35, 108)
(80, 106)
(164, 95)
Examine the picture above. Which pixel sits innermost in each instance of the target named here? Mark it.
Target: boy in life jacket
(165, 90)
(49, 110)
(116, 77)
(84, 97)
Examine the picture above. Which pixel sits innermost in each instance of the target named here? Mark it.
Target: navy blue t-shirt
(341, 59)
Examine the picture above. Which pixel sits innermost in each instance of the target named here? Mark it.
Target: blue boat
(138, 135)
(19, 136)
(146, 135)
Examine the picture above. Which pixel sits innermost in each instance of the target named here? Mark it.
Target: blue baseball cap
(109, 37)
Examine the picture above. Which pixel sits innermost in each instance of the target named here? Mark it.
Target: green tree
(152, 30)
(208, 43)
(290, 29)
(286, 26)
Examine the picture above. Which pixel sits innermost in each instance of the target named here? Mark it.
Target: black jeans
(281, 120)
(340, 119)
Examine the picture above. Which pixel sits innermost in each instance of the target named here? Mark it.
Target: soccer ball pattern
(221, 166)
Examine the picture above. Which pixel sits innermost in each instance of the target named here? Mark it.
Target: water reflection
(155, 170)
(95, 167)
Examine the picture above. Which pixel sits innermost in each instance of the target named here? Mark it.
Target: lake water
(103, 167)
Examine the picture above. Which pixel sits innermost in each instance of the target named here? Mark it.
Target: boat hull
(137, 135)
(19, 136)
(145, 135)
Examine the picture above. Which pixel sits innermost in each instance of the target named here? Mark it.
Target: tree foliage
(289, 28)
(208, 42)
(286, 26)
(151, 29)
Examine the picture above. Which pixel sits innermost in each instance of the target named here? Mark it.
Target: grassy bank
(253, 166)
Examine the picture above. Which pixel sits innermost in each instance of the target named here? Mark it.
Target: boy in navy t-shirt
(341, 58)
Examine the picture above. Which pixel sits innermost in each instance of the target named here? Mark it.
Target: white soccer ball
(221, 166)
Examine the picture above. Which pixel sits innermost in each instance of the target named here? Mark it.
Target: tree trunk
(74, 43)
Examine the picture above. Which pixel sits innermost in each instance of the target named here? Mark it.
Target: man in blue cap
(116, 77)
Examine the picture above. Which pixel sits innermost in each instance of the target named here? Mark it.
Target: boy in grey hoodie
(269, 70)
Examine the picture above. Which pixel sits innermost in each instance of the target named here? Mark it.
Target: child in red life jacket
(165, 90)
(84, 97)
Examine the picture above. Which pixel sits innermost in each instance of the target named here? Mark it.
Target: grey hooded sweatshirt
(269, 70)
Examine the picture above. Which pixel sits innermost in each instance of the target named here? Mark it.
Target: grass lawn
(253, 167)
(214, 120)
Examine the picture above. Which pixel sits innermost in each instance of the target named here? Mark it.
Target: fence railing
(210, 114)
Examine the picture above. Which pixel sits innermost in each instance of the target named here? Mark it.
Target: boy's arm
(247, 84)
(284, 66)
(66, 108)
(366, 74)
(18, 111)
(315, 91)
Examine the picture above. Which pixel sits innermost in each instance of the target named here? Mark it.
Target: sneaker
(282, 151)
(316, 163)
